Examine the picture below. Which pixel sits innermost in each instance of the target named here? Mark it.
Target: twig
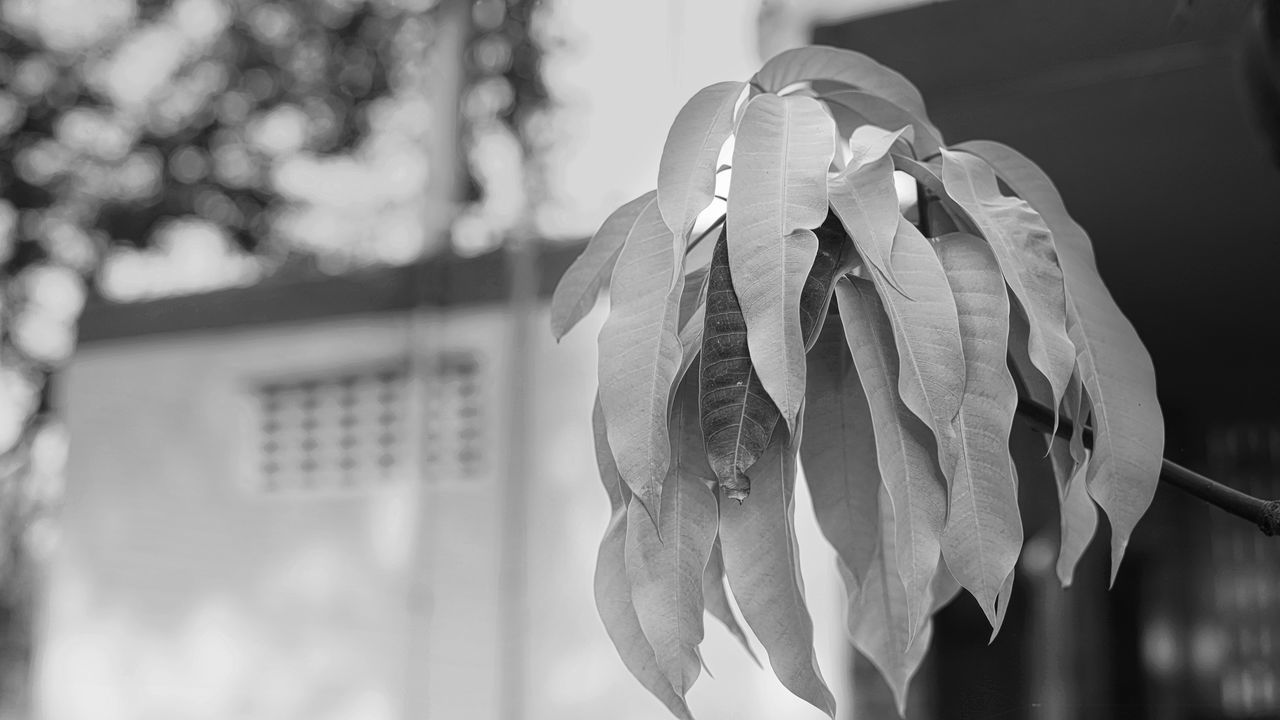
(704, 234)
(1263, 513)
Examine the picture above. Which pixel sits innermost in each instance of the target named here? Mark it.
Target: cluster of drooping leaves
(720, 377)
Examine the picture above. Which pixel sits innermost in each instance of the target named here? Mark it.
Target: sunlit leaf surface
(1116, 368)
(641, 354)
(780, 158)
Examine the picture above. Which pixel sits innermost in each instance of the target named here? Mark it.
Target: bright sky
(627, 69)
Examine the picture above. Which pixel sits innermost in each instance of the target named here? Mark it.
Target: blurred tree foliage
(130, 124)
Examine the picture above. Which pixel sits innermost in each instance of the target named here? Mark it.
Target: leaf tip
(900, 700)
(738, 487)
(1119, 543)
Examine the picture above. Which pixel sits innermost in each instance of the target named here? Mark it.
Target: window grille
(344, 431)
(356, 430)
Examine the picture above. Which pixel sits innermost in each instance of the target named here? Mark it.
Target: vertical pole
(445, 77)
(522, 273)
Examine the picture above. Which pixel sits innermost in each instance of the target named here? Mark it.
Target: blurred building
(1153, 117)
(370, 496)
(366, 497)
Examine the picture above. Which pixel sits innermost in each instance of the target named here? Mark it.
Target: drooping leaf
(864, 198)
(838, 454)
(737, 416)
(1002, 605)
(1116, 369)
(872, 625)
(836, 256)
(905, 451)
(843, 66)
(926, 329)
(578, 288)
(780, 158)
(1079, 518)
(888, 115)
(665, 564)
(983, 534)
(945, 587)
(762, 563)
(687, 170)
(1024, 247)
(613, 588)
(870, 143)
(878, 622)
(640, 354)
(716, 597)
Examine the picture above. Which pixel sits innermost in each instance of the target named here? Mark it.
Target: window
(344, 431)
(355, 430)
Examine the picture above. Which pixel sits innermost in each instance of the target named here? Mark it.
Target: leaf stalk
(1263, 513)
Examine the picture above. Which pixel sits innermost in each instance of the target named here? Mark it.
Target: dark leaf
(781, 153)
(737, 415)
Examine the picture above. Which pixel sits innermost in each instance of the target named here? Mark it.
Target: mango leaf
(926, 328)
(640, 354)
(1116, 370)
(983, 535)
(1002, 605)
(878, 623)
(854, 69)
(737, 416)
(613, 588)
(1024, 248)
(580, 285)
(836, 256)
(762, 563)
(665, 564)
(884, 113)
(871, 622)
(905, 451)
(870, 143)
(839, 455)
(864, 198)
(716, 597)
(945, 587)
(1079, 518)
(780, 157)
(687, 170)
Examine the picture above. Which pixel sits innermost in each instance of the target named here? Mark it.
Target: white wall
(176, 595)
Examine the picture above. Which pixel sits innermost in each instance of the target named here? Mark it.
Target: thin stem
(1263, 513)
(704, 234)
(922, 210)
